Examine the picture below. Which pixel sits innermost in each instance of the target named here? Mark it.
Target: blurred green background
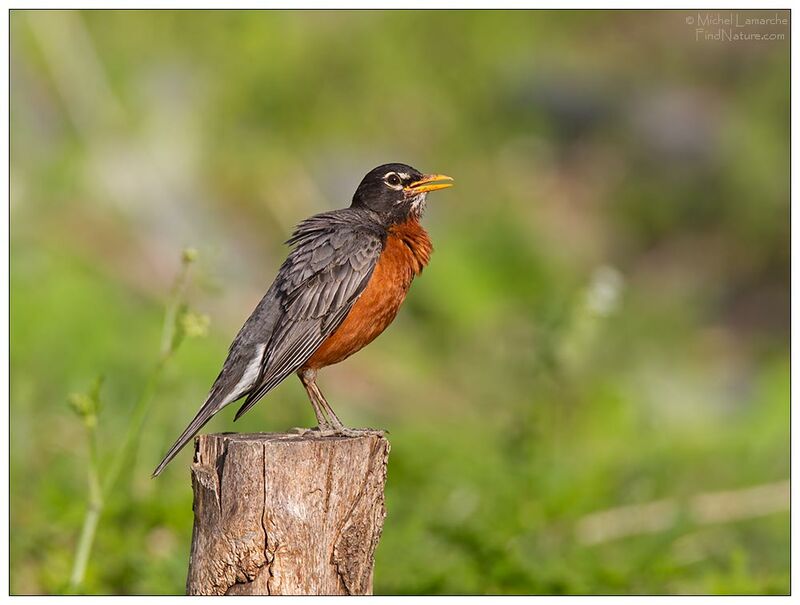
(587, 389)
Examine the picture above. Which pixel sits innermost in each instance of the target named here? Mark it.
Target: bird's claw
(323, 431)
(359, 432)
(330, 431)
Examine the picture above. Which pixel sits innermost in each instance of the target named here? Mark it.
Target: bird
(342, 284)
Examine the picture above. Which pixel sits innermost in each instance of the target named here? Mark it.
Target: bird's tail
(213, 404)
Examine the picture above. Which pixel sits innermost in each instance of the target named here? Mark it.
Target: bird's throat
(413, 244)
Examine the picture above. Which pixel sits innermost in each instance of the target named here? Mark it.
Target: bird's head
(397, 192)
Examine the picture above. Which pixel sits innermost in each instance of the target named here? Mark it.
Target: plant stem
(93, 511)
(99, 493)
(138, 417)
(139, 414)
(84, 547)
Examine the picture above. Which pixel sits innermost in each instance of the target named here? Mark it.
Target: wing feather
(316, 288)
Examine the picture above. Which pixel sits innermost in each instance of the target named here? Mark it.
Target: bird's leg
(327, 419)
(307, 377)
(336, 424)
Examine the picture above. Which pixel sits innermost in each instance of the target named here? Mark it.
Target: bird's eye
(393, 180)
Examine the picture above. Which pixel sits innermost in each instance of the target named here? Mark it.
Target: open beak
(430, 182)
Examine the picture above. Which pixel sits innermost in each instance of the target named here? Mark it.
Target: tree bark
(286, 514)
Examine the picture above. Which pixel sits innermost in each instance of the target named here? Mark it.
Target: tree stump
(286, 514)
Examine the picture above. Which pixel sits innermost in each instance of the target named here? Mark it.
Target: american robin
(340, 287)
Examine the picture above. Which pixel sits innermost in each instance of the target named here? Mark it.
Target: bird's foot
(360, 432)
(319, 431)
(331, 431)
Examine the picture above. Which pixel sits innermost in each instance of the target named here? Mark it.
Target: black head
(397, 191)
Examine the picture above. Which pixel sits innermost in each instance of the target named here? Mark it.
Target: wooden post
(286, 514)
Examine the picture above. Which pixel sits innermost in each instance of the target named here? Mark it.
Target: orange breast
(405, 255)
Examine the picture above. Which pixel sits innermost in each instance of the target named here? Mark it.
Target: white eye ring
(393, 180)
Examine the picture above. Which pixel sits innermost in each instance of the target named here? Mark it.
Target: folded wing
(316, 288)
(333, 258)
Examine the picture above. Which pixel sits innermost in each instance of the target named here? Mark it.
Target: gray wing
(317, 285)
(316, 288)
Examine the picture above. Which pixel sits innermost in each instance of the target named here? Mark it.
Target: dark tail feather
(257, 392)
(251, 400)
(210, 407)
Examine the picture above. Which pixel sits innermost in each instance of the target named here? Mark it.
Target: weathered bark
(286, 514)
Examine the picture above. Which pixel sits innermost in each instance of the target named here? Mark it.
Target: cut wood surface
(283, 514)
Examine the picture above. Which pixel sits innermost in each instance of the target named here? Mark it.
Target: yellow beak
(430, 182)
